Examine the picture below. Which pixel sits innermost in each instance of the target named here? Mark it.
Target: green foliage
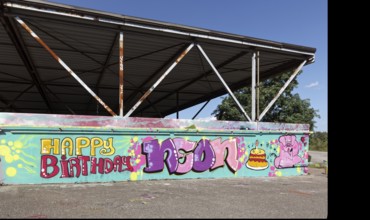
(289, 108)
(319, 141)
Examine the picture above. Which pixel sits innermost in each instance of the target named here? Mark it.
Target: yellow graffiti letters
(50, 144)
(56, 145)
(95, 143)
(81, 142)
(67, 143)
(108, 148)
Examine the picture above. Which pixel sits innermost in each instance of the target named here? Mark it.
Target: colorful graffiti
(289, 149)
(71, 158)
(80, 163)
(198, 156)
(257, 159)
(102, 155)
(14, 154)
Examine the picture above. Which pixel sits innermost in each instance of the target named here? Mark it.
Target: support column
(177, 105)
(258, 85)
(121, 52)
(253, 87)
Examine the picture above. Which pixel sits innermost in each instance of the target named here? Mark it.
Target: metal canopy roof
(87, 41)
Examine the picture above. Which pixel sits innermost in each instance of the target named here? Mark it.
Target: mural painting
(39, 148)
(114, 158)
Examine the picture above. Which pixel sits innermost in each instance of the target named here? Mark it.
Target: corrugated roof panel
(11, 57)
(85, 46)
(18, 73)
(4, 38)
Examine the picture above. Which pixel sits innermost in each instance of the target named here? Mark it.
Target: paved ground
(318, 156)
(277, 197)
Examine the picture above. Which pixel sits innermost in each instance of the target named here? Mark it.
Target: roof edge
(106, 17)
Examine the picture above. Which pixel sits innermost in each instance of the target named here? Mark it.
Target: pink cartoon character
(289, 148)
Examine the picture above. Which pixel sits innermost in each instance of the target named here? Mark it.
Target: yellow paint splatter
(242, 158)
(278, 173)
(27, 162)
(27, 155)
(246, 153)
(11, 156)
(18, 144)
(298, 170)
(136, 139)
(29, 170)
(278, 150)
(4, 150)
(137, 161)
(3, 141)
(133, 176)
(11, 171)
(8, 158)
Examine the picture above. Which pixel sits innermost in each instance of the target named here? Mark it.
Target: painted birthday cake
(257, 159)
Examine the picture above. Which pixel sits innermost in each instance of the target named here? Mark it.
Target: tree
(319, 141)
(288, 108)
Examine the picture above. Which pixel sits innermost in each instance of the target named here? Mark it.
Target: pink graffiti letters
(289, 148)
(232, 153)
(207, 155)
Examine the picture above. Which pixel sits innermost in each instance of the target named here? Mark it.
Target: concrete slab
(318, 156)
(263, 197)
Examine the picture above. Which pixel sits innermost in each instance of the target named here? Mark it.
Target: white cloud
(208, 118)
(312, 85)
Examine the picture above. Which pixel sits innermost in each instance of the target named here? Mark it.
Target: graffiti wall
(38, 149)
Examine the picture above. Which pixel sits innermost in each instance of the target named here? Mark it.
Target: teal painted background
(21, 153)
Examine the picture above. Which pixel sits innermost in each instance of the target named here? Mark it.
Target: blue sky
(301, 22)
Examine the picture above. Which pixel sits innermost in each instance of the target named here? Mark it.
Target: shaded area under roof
(88, 44)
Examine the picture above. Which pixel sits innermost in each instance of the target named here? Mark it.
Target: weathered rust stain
(105, 106)
(182, 56)
(38, 39)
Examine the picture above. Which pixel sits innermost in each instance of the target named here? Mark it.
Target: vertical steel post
(121, 53)
(177, 105)
(150, 90)
(223, 82)
(282, 89)
(66, 67)
(258, 85)
(253, 86)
